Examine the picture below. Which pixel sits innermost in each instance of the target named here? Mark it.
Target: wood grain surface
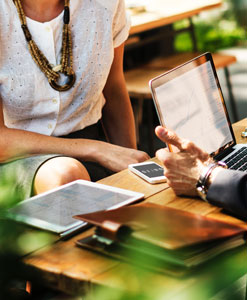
(66, 267)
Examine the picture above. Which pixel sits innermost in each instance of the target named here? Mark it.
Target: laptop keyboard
(238, 161)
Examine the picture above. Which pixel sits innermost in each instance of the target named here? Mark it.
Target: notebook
(54, 210)
(156, 237)
(189, 100)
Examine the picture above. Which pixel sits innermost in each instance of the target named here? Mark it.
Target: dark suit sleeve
(229, 190)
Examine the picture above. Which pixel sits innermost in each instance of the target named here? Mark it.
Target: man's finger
(169, 137)
(161, 154)
(191, 148)
(183, 145)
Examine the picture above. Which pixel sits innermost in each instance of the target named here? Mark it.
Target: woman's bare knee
(58, 171)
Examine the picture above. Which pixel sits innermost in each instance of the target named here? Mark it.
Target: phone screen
(150, 170)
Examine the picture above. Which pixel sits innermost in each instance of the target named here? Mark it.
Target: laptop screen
(189, 101)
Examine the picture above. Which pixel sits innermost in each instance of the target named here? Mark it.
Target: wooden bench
(137, 81)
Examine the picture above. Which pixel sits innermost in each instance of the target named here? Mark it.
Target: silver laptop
(189, 100)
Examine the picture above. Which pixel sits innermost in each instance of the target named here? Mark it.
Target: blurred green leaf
(212, 34)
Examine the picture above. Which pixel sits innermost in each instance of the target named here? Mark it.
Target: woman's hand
(117, 158)
(182, 168)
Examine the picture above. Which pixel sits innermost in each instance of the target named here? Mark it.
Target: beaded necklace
(66, 63)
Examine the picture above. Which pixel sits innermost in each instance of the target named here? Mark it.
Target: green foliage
(183, 42)
(210, 38)
(16, 240)
(134, 283)
(212, 34)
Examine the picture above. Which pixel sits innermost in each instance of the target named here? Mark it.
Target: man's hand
(182, 168)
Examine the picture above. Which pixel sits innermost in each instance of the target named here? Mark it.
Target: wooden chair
(137, 80)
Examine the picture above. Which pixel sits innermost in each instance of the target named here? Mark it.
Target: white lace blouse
(29, 102)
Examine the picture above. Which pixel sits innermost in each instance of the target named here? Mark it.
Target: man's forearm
(229, 190)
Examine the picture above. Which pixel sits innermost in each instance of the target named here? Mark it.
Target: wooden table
(163, 12)
(68, 268)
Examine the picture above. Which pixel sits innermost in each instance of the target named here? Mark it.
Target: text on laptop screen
(191, 104)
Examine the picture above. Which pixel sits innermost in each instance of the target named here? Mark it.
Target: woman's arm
(118, 119)
(17, 143)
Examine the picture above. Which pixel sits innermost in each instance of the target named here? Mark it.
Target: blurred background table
(157, 13)
(150, 51)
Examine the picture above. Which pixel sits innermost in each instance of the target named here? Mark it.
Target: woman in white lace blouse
(54, 93)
